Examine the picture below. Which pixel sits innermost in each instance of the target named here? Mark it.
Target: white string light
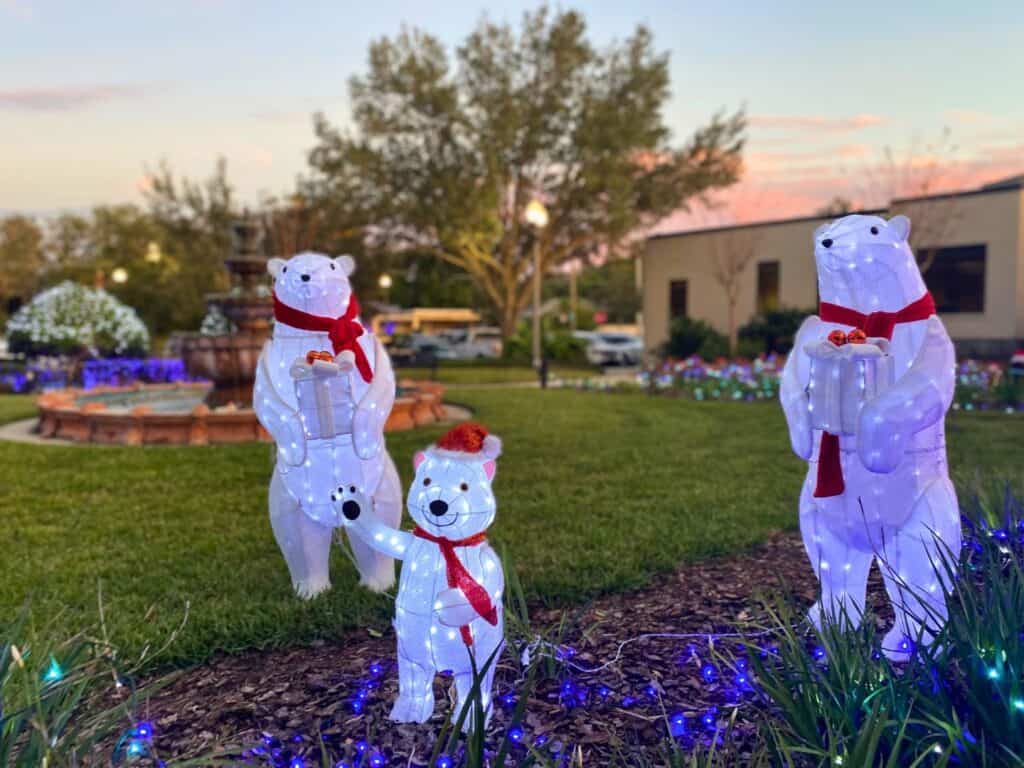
(328, 425)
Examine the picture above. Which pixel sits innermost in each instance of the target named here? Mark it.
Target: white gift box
(323, 394)
(843, 378)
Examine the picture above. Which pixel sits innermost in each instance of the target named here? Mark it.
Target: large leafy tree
(22, 259)
(444, 155)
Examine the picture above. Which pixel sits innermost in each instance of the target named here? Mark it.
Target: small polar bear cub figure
(449, 603)
(884, 491)
(315, 311)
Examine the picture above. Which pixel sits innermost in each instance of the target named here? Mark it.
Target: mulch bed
(283, 702)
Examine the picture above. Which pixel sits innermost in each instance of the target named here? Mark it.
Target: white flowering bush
(215, 323)
(70, 318)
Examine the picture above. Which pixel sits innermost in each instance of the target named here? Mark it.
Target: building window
(677, 290)
(767, 285)
(956, 279)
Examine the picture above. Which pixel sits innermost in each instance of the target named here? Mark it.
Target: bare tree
(731, 253)
(922, 170)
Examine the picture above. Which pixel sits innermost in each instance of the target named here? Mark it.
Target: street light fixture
(537, 216)
(119, 275)
(385, 282)
(153, 252)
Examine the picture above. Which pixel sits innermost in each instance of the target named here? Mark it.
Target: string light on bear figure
(865, 391)
(448, 613)
(324, 388)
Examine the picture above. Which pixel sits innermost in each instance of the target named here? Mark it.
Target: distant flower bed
(989, 387)
(744, 380)
(104, 372)
(981, 386)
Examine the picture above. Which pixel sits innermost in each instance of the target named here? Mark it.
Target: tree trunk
(509, 318)
(732, 329)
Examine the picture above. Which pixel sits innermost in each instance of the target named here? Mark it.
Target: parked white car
(475, 343)
(612, 348)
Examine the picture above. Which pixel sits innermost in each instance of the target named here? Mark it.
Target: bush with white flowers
(71, 318)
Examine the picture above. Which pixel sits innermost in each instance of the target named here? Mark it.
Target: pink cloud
(815, 122)
(970, 117)
(66, 97)
(768, 195)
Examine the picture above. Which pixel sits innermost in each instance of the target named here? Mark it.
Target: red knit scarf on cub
(343, 331)
(877, 325)
(459, 577)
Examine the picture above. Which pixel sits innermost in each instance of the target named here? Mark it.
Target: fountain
(224, 355)
(229, 359)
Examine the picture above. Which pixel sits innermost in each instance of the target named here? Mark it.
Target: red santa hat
(469, 441)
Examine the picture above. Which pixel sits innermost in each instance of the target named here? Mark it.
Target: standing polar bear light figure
(449, 610)
(865, 392)
(324, 389)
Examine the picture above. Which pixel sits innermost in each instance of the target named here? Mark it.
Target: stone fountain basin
(176, 414)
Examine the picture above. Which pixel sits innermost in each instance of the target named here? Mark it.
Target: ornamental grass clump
(71, 319)
(832, 698)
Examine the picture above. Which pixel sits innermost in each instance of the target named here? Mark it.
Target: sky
(93, 95)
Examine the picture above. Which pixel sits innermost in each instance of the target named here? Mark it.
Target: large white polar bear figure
(315, 311)
(450, 591)
(873, 431)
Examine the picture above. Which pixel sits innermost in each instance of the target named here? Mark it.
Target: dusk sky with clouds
(93, 94)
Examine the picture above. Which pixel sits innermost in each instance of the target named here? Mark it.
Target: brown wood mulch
(278, 705)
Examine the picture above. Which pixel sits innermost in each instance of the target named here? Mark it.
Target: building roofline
(754, 224)
(991, 189)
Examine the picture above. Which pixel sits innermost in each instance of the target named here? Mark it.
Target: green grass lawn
(461, 374)
(596, 492)
(15, 407)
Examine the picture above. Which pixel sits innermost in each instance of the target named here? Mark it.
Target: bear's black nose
(438, 507)
(350, 509)
(827, 242)
(305, 278)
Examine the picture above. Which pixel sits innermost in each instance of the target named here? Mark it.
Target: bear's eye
(426, 481)
(284, 269)
(464, 487)
(351, 489)
(874, 230)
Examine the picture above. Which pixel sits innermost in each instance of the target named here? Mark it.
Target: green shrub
(773, 331)
(560, 346)
(687, 337)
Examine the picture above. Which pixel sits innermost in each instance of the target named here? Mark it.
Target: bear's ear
(418, 459)
(275, 265)
(901, 226)
(346, 264)
(490, 468)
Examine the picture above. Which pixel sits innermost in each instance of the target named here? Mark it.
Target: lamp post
(537, 216)
(573, 296)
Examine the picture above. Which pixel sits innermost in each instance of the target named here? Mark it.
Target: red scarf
(458, 576)
(343, 331)
(878, 325)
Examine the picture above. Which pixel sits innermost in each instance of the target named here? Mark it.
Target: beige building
(973, 240)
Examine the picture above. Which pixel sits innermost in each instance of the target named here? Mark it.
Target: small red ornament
(857, 336)
(313, 355)
(837, 337)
